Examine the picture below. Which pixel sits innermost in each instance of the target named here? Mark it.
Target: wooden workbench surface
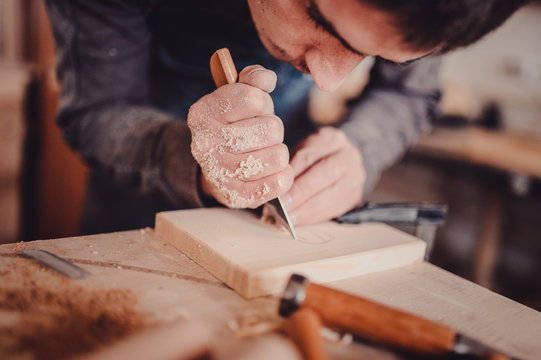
(170, 286)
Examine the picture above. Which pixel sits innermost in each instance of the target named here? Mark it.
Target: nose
(329, 68)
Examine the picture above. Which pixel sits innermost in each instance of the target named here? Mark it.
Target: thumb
(259, 77)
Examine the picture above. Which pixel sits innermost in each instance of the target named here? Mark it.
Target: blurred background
(483, 159)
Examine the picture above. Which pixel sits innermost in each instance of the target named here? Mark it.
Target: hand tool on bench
(397, 213)
(304, 328)
(56, 263)
(379, 323)
(224, 72)
(426, 217)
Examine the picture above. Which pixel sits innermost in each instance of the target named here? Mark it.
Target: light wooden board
(256, 258)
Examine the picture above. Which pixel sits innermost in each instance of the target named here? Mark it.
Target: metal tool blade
(397, 213)
(56, 263)
(275, 208)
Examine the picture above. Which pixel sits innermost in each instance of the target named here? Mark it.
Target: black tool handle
(397, 213)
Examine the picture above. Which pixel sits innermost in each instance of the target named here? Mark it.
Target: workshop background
(483, 160)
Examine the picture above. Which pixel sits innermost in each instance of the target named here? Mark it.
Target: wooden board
(256, 258)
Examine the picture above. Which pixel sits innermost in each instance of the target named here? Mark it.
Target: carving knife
(224, 72)
(56, 263)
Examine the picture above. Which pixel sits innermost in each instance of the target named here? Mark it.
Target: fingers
(259, 77)
(324, 142)
(228, 104)
(252, 134)
(233, 102)
(319, 176)
(327, 200)
(329, 178)
(256, 164)
(248, 180)
(241, 137)
(236, 193)
(327, 204)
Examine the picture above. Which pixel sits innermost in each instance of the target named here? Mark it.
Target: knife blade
(275, 209)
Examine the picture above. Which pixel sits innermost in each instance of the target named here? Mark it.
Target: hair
(446, 24)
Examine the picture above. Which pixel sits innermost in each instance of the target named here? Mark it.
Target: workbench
(170, 287)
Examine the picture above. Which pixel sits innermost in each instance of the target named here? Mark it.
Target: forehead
(367, 29)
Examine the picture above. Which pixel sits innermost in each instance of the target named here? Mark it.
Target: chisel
(224, 72)
(378, 322)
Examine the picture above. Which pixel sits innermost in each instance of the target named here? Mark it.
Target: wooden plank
(256, 258)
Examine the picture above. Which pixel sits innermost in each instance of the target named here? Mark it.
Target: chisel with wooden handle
(224, 72)
(378, 322)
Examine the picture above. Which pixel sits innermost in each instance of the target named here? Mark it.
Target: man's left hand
(329, 178)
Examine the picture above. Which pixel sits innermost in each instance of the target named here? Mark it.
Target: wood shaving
(48, 316)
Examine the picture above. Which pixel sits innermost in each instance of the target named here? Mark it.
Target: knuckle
(301, 192)
(257, 99)
(251, 94)
(248, 168)
(285, 181)
(325, 131)
(199, 146)
(248, 69)
(332, 133)
(282, 156)
(255, 73)
(274, 130)
(275, 127)
(194, 114)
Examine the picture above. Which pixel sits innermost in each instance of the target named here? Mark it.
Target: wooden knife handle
(378, 322)
(304, 328)
(223, 68)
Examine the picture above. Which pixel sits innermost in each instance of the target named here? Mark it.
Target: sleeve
(398, 104)
(103, 54)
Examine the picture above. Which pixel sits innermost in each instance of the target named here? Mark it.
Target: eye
(320, 23)
(316, 23)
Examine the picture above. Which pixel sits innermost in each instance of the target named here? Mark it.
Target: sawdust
(249, 167)
(48, 316)
(243, 138)
(220, 176)
(225, 106)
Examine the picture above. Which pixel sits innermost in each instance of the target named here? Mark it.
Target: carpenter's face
(328, 38)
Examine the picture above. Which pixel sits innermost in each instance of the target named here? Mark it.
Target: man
(139, 105)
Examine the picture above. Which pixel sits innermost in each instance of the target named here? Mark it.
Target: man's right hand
(237, 141)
